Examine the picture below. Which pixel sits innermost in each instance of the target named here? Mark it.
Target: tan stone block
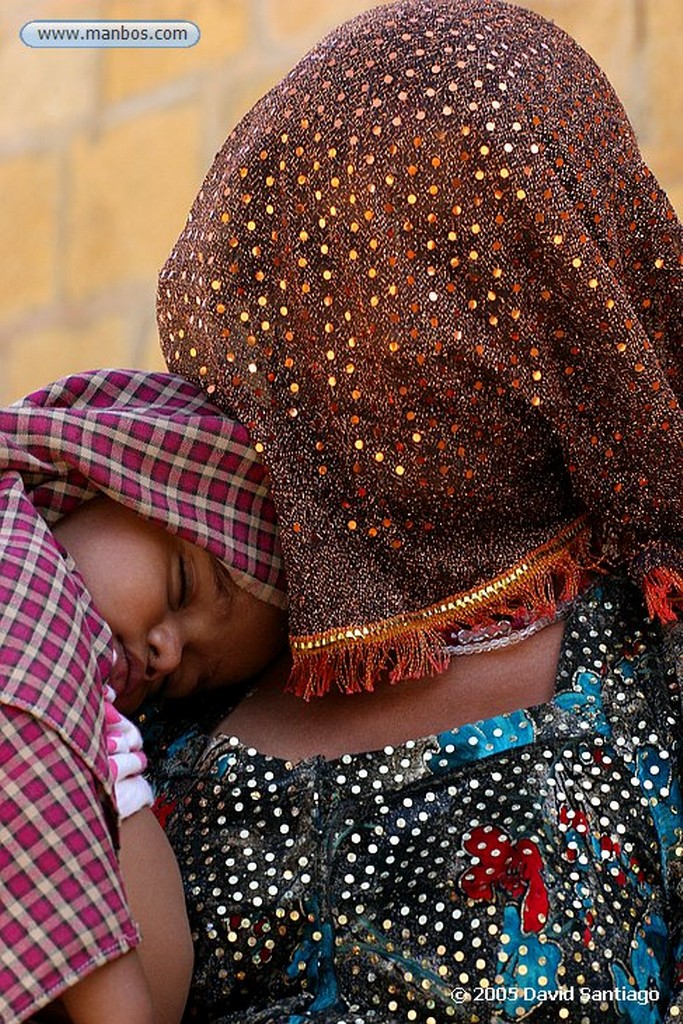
(666, 165)
(40, 356)
(43, 90)
(307, 21)
(675, 194)
(230, 105)
(224, 26)
(131, 188)
(151, 357)
(28, 241)
(663, 44)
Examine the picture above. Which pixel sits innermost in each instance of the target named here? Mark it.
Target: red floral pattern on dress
(515, 867)
(605, 847)
(162, 809)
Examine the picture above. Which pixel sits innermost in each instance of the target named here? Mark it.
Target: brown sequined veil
(432, 274)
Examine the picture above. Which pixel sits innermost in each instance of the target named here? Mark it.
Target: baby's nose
(165, 648)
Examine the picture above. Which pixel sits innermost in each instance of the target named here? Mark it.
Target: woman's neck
(473, 687)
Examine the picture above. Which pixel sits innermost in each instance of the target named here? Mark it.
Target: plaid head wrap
(155, 444)
(433, 275)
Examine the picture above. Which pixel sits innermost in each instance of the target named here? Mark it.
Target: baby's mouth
(127, 677)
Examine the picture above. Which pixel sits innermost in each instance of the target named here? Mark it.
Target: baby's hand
(127, 760)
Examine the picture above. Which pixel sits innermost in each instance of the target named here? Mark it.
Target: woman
(433, 275)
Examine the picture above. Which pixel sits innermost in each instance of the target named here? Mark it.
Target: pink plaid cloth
(155, 444)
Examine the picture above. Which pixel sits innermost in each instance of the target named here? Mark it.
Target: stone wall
(102, 151)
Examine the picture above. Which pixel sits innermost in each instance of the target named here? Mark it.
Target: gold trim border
(512, 581)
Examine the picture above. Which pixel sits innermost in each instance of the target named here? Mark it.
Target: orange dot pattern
(432, 274)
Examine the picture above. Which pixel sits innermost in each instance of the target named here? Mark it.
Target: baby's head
(180, 622)
(165, 509)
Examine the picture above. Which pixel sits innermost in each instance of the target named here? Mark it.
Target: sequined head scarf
(432, 273)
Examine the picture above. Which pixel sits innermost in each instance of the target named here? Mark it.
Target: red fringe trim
(663, 589)
(411, 646)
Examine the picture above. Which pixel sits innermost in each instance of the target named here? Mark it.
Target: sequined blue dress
(523, 867)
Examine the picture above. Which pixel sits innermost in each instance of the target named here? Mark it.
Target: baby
(138, 555)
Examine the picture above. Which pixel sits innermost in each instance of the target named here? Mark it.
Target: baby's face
(178, 625)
